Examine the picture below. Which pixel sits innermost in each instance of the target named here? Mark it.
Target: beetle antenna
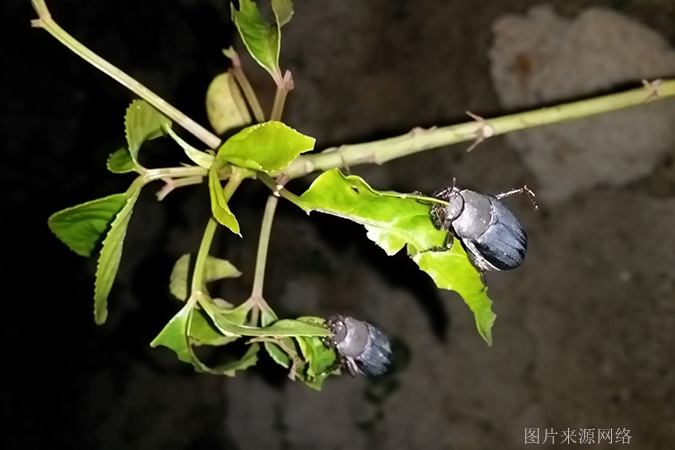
(523, 190)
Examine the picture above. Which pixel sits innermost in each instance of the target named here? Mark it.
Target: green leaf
(202, 159)
(262, 40)
(225, 105)
(276, 352)
(174, 335)
(203, 332)
(219, 207)
(81, 226)
(320, 360)
(120, 162)
(266, 147)
(143, 123)
(452, 270)
(395, 220)
(109, 259)
(392, 219)
(214, 269)
(283, 11)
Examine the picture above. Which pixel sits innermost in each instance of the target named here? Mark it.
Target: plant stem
(244, 84)
(263, 244)
(283, 88)
(279, 190)
(46, 22)
(417, 140)
(207, 238)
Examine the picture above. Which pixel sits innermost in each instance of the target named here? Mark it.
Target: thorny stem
(417, 140)
(245, 85)
(263, 244)
(376, 152)
(207, 238)
(46, 22)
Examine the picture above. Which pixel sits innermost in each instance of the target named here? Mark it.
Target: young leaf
(202, 159)
(109, 259)
(142, 123)
(214, 269)
(392, 219)
(81, 226)
(449, 270)
(219, 207)
(283, 11)
(225, 105)
(261, 39)
(266, 147)
(120, 162)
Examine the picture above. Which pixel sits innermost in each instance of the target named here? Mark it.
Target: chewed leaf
(262, 40)
(452, 270)
(225, 105)
(215, 269)
(81, 226)
(109, 259)
(266, 147)
(392, 219)
(143, 123)
(395, 220)
(120, 162)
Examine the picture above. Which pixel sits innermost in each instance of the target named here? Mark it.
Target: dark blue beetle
(361, 346)
(491, 234)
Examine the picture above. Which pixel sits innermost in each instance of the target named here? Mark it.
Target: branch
(263, 244)
(46, 22)
(418, 140)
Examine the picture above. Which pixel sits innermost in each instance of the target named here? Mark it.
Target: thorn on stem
(484, 130)
(653, 88)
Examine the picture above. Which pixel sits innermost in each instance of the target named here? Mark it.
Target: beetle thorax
(475, 217)
(455, 206)
(351, 337)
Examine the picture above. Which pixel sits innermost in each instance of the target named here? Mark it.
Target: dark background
(67, 383)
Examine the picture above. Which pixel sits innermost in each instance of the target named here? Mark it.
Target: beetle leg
(523, 190)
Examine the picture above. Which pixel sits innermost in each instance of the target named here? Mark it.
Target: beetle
(491, 234)
(361, 346)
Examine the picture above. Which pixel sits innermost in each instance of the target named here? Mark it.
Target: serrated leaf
(214, 269)
(392, 219)
(262, 40)
(120, 161)
(109, 258)
(142, 123)
(80, 227)
(265, 147)
(225, 105)
(283, 11)
(452, 270)
(202, 159)
(219, 207)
